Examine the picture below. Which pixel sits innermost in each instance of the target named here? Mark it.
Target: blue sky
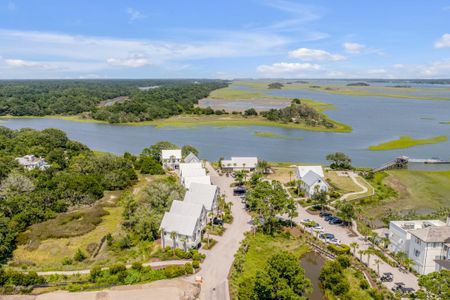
(224, 39)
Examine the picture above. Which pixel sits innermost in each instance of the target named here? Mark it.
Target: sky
(224, 39)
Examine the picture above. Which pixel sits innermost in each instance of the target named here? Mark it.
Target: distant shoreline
(191, 121)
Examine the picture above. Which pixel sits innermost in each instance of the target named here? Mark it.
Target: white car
(317, 227)
(334, 241)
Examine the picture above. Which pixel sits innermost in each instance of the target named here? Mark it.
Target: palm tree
(354, 246)
(207, 238)
(299, 184)
(368, 252)
(378, 262)
(173, 236)
(290, 175)
(184, 240)
(409, 263)
(360, 252)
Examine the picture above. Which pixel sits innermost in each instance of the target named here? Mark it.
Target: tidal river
(374, 120)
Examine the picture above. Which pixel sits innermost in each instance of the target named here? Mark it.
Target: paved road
(216, 266)
(87, 271)
(347, 237)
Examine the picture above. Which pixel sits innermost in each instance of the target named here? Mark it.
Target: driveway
(347, 237)
(218, 261)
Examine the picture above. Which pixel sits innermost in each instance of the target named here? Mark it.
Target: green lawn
(407, 142)
(272, 135)
(260, 248)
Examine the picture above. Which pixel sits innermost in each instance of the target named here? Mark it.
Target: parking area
(346, 236)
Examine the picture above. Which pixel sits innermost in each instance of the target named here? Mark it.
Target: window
(417, 241)
(416, 253)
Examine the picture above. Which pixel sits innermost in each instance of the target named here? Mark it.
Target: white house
(190, 209)
(187, 231)
(240, 163)
(400, 232)
(189, 166)
(188, 181)
(171, 158)
(312, 179)
(191, 158)
(205, 194)
(427, 245)
(31, 162)
(192, 173)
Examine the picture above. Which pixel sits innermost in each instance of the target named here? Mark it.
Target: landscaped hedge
(339, 249)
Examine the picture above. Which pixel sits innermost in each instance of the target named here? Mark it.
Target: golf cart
(387, 277)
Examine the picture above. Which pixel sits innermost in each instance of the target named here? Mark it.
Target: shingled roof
(432, 234)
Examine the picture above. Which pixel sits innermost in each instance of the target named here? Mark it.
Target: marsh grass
(407, 142)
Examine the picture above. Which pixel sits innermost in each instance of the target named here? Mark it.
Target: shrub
(188, 268)
(95, 273)
(339, 249)
(67, 261)
(117, 268)
(79, 256)
(196, 264)
(343, 260)
(174, 271)
(136, 266)
(182, 254)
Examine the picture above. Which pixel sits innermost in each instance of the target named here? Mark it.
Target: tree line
(73, 97)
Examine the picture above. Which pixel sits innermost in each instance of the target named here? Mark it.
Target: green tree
(186, 149)
(148, 165)
(339, 161)
(155, 149)
(268, 199)
(282, 278)
(346, 212)
(436, 285)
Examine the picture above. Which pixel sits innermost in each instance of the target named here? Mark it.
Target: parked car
(326, 236)
(333, 241)
(317, 227)
(239, 191)
(325, 214)
(217, 221)
(306, 221)
(335, 221)
(328, 218)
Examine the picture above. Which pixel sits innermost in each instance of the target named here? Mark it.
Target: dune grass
(273, 135)
(407, 142)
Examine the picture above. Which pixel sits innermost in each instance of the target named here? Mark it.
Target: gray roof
(186, 208)
(311, 178)
(433, 234)
(201, 194)
(184, 225)
(191, 158)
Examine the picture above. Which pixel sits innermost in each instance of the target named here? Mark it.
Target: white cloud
(134, 61)
(287, 68)
(376, 71)
(307, 54)
(76, 53)
(20, 63)
(353, 48)
(443, 42)
(134, 14)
